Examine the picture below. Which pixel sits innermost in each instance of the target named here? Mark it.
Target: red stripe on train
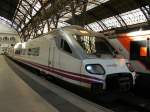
(53, 70)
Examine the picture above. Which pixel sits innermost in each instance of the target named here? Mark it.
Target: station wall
(8, 37)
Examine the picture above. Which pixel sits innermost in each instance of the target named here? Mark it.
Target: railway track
(126, 102)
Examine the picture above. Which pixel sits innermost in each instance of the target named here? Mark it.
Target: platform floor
(16, 95)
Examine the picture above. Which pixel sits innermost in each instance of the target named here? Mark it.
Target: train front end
(106, 67)
(103, 66)
(110, 74)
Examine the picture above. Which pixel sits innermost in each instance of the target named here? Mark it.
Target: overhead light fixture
(84, 32)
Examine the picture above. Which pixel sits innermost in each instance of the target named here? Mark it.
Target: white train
(78, 56)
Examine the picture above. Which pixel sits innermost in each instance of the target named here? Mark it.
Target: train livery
(78, 56)
(134, 46)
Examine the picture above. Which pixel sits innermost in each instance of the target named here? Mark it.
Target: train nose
(119, 82)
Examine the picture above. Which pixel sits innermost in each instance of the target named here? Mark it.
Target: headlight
(130, 67)
(95, 69)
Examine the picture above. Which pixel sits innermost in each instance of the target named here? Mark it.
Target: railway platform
(16, 95)
(37, 95)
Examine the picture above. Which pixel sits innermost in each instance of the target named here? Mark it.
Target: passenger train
(78, 56)
(134, 46)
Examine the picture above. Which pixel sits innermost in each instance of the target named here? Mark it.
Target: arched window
(12, 38)
(5, 38)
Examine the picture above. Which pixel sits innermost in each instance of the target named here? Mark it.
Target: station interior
(75, 56)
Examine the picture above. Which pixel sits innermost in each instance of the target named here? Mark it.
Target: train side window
(65, 46)
(23, 51)
(35, 51)
(29, 51)
(61, 43)
(18, 52)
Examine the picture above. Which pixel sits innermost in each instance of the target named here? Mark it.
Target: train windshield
(94, 45)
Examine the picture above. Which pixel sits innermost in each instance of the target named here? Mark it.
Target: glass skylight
(95, 27)
(130, 18)
(111, 22)
(30, 1)
(133, 17)
(22, 25)
(27, 20)
(94, 3)
(25, 8)
(17, 21)
(33, 12)
(148, 8)
(19, 29)
(14, 25)
(45, 28)
(62, 24)
(37, 6)
(87, 27)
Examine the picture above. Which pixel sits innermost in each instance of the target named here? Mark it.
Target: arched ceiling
(109, 9)
(32, 18)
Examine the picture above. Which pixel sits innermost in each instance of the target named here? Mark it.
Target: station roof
(110, 9)
(114, 14)
(29, 17)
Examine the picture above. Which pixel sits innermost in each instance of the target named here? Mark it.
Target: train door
(50, 56)
(53, 60)
(139, 50)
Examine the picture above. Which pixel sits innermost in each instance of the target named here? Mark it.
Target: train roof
(75, 27)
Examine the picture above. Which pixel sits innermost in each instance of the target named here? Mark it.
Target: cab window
(64, 45)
